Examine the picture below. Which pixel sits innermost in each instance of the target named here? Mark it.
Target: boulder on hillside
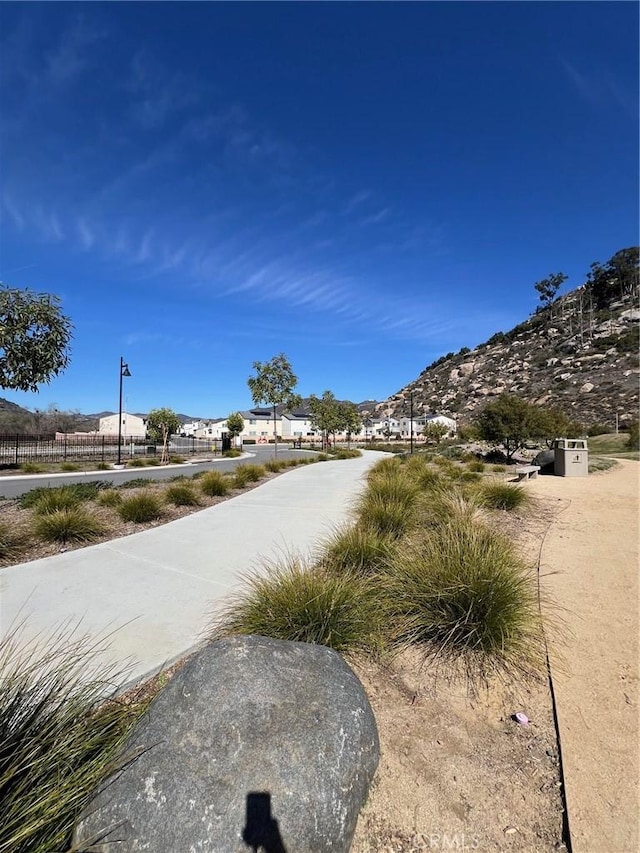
(254, 744)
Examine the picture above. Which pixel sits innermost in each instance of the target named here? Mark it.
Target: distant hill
(579, 354)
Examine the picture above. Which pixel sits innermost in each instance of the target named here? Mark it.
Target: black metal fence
(60, 447)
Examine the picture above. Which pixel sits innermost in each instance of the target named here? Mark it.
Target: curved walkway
(156, 589)
(589, 565)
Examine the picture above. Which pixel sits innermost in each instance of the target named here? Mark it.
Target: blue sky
(361, 186)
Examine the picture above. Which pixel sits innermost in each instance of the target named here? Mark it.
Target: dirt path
(591, 549)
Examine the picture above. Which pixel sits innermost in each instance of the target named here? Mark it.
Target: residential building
(133, 426)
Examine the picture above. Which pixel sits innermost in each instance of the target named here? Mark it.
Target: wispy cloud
(74, 49)
(355, 201)
(600, 88)
(375, 218)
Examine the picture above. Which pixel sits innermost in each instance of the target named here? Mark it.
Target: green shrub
(181, 494)
(103, 466)
(136, 483)
(294, 602)
(466, 596)
(245, 474)
(60, 739)
(69, 466)
(232, 453)
(355, 549)
(140, 508)
(109, 497)
(31, 468)
(152, 461)
(498, 469)
(214, 483)
(176, 460)
(137, 462)
(275, 465)
(498, 495)
(73, 524)
(322, 457)
(476, 465)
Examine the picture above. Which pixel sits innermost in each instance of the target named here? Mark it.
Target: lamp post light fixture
(124, 371)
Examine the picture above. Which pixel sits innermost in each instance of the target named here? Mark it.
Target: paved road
(12, 486)
(157, 588)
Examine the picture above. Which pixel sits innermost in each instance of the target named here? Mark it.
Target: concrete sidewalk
(156, 589)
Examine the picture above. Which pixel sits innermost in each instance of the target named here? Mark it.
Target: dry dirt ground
(458, 773)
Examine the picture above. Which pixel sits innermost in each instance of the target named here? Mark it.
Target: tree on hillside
(274, 385)
(548, 287)
(161, 424)
(34, 339)
(510, 421)
(235, 424)
(615, 279)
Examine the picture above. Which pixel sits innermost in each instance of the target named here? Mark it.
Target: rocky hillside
(579, 353)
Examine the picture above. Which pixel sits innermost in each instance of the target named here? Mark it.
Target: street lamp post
(124, 371)
(411, 417)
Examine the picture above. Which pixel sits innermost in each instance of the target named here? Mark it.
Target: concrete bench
(527, 472)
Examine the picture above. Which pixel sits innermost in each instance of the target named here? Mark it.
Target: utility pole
(411, 418)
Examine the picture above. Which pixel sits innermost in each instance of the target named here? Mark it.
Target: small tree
(161, 424)
(274, 385)
(235, 424)
(349, 418)
(548, 287)
(324, 415)
(34, 339)
(553, 423)
(510, 421)
(435, 432)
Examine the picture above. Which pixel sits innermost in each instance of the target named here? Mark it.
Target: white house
(298, 425)
(133, 426)
(449, 423)
(258, 424)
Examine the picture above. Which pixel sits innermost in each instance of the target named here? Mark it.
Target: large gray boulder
(255, 743)
(546, 460)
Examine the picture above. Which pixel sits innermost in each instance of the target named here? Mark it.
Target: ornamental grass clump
(110, 497)
(245, 474)
(275, 465)
(59, 741)
(214, 484)
(53, 500)
(72, 524)
(140, 508)
(356, 549)
(388, 506)
(11, 540)
(495, 494)
(182, 494)
(291, 601)
(465, 596)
